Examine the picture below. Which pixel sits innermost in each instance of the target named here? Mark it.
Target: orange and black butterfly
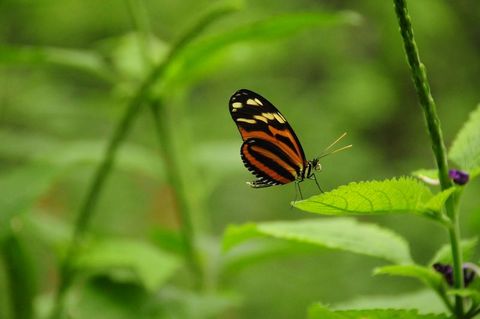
(270, 149)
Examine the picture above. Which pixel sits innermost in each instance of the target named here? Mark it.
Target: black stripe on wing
(256, 117)
(267, 162)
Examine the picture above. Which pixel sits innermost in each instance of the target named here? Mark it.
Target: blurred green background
(58, 109)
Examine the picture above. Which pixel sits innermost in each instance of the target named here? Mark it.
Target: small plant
(450, 274)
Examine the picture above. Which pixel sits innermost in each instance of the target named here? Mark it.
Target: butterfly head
(315, 164)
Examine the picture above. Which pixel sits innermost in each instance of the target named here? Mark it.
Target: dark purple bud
(447, 272)
(468, 274)
(459, 177)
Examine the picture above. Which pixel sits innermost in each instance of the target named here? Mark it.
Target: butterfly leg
(316, 182)
(297, 186)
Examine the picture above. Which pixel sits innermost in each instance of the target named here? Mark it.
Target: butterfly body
(271, 151)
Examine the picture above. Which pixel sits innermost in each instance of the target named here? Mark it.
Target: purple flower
(459, 177)
(447, 272)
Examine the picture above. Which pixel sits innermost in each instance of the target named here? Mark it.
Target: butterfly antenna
(327, 152)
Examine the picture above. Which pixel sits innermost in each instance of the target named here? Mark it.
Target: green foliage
(425, 300)
(465, 149)
(444, 254)
(128, 260)
(87, 61)
(21, 273)
(425, 274)
(16, 197)
(195, 56)
(335, 233)
(402, 195)
(319, 311)
(69, 74)
(113, 300)
(470, 293)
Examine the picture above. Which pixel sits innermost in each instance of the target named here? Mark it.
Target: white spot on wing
(253, 102)
(260, 118)
(249, 121)
(279, 118)
(269, 116)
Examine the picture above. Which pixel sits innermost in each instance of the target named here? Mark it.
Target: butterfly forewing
(271, 150)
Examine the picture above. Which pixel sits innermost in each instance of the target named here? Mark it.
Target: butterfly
(271, 151)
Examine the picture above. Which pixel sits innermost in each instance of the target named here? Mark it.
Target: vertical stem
(419, 75)
(141, 95)
(163, 130)
(21, 277)
(87, 207)
(139, 17)
(174, 173)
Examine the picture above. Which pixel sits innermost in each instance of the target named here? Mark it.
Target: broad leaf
(21, 187)
(319, 311)
(45, 149)
(403, 195)
(465, 150)
(84, 60)
(48, 230)
(425, 274)
(444, 254)
(429, 176)
(267, 249)
(426, 301)
(130, 157)
(185, 304)
(469, 293)
(333, 233)
(106, 299)
(128, 260)
(197, 54)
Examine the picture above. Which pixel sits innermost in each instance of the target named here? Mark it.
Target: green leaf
(444, 254)
(128, 260)
(402, 195)
(20, 268)
(469, 293)
(48, 230)
(425, 274)
(436, 203)
(333, 233)
(465, 150)
(184, 304)
(267, 249)
(84, 60)
(319, 311)
(130, 157)
(426, 300)
(106, 299)
(429, 176)
(199, 53)
(21, 187)
(47, 150)
(127, 56)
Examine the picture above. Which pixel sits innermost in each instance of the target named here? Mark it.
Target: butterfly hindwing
(271, 150)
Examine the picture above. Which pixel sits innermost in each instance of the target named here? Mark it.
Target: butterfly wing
(271, 150)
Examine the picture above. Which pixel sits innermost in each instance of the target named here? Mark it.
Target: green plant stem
(141, 95)
(176, 180)
(163, 130)
(427, 103)
(21, 277)
(139, 17)
(87, 207)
